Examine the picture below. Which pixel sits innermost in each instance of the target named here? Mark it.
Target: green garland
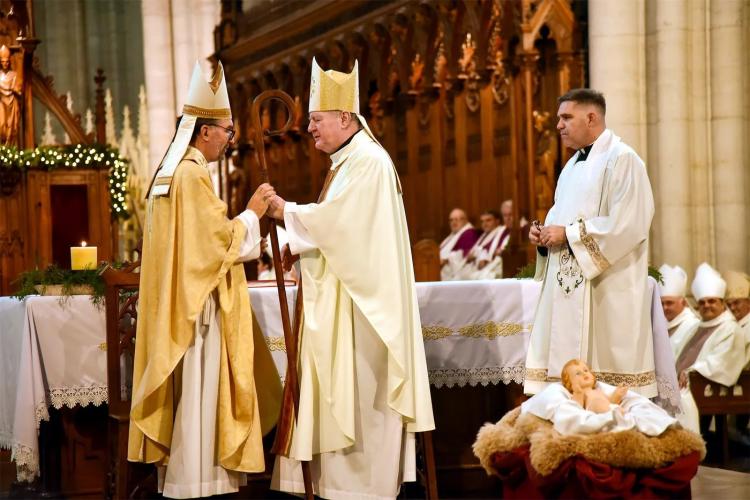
(96, 156)
(54, 275)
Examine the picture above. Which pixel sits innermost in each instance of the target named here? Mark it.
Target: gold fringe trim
(206, 113)
(592, 247)
(627, 379)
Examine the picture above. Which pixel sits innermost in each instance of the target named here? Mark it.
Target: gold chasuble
(190, 249)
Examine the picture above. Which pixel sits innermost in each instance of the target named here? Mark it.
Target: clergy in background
(592, 258)
(195, 404)
(738, 301)
(364, 390)
(481, 254)
(715, 350)
(456, 246)
(681, 320)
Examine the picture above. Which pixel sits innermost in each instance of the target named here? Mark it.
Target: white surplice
(454, 260)
(681, 329)
(494, 267)
(470, 270)
(193, 470)
(595, 302)
(720, 359)
(446, 246)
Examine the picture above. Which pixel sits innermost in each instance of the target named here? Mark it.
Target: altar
(54, 350)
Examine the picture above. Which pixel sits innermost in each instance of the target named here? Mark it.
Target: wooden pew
(426, 258)
(719, 400)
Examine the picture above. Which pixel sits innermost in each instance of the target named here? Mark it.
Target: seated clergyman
(583, 405)
(455, 246)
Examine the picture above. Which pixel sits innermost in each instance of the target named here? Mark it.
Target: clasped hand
(547, 236)
(265, 201)
(259, 200)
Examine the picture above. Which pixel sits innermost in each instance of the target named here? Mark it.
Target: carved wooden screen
(450, 88)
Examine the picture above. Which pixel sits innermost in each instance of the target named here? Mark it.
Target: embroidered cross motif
(569, 275)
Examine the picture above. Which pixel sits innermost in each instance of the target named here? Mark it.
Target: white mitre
(207, 98)
(336, 91)
(738, 285)
(675, 281)
(708, 283)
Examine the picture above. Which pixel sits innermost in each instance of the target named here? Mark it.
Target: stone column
(669, 151)
(159, 76)
(617, 65)
(193, 39)
(728, 135)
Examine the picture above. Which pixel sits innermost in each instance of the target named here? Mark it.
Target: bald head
(457, 219)
(506, 211)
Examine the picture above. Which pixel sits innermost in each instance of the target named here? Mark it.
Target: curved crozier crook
(269, 95)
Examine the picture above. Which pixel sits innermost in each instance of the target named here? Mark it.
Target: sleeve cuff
(300, 240)
(586, 250)
(251, 245)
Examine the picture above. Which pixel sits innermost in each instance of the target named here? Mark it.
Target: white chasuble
(595, 301)
(364, 389)
(681, 329)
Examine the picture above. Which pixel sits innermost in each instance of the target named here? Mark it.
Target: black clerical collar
(583, 153)
(346, 142)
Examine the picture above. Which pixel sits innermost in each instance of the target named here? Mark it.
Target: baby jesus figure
(583, 405)
(581, 383)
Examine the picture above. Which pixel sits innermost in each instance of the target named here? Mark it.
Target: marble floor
(720, 484)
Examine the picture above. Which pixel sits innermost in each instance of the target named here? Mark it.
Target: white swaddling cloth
(556, 404)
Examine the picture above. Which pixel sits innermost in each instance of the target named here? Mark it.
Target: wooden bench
(719, 400)
(426, 258)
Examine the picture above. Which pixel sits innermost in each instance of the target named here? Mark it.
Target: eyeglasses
(229, 131)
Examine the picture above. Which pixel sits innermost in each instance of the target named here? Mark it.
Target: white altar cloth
(53, 352)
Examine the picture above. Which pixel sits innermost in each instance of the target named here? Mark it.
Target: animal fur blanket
(548, 449)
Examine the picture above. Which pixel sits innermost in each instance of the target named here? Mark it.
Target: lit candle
(83, 257)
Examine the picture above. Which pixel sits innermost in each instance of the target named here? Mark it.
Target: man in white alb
(592, 257)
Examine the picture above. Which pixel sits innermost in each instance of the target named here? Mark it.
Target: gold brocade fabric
(189, 250)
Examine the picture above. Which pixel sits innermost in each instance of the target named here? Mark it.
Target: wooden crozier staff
(291, 337)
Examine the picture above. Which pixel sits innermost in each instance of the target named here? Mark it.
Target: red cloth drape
(577, 477)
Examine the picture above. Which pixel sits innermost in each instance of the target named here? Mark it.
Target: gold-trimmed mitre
(207, 98)
(333, 90)
(738, 285)
(336, 91)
